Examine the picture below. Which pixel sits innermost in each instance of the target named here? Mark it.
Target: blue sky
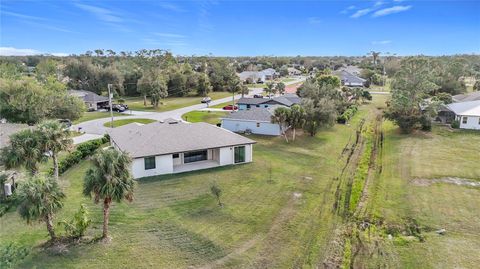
(233, 28)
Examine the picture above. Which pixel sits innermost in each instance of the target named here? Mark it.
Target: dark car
(257, 96)
(230, 107)
(66, 122)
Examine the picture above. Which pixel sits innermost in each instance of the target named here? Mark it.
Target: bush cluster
(347, 114)
(81, 152)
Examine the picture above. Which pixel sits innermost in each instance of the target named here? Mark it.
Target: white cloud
(345, 11)
(101, 13)
(11, 51)
(169, 35)
(361, 12)
(382, 42)
(391, 10)
(314, 20)
(378, 3)
(171, 7)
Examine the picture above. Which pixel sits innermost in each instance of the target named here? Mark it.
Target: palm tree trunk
(49, 222)
(144, 100)
(55, 165)
(106, 216)
(294, 131)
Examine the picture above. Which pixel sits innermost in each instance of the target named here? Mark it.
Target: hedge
(81, 152)
(347, 114)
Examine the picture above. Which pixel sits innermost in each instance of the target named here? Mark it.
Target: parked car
(206, 100)
(257, 96)
(66, 122)
(230, 107)
(116, 108)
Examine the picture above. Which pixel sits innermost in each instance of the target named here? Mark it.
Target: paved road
(96, 126)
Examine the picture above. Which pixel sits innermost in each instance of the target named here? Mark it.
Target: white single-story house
(258, 76)
(467, 113)
(173, 147)
(255, 121)
(92, 100)
(286, 100)
(348, 79)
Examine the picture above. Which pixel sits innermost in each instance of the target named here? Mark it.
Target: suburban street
(95, 127)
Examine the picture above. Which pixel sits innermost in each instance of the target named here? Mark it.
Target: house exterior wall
(472, 122)
(264, 128)
(164, 164)
(245, 106)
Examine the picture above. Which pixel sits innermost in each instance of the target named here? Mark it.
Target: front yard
(212, 117)
(171, 103)
(118, 123)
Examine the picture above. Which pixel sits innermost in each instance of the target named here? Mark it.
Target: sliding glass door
(239, 154)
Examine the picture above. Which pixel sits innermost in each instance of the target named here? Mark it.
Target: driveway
(96, 126)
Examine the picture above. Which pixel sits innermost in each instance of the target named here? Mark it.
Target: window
(258, 124)
(248, 106)
(194, 156)
(149, 162)
(257, 105)
(478, 121)
(176, 155)
(239, 153)
(464, 120)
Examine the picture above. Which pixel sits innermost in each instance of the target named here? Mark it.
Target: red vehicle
(230, 107)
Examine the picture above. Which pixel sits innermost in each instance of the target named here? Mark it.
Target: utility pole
(109, 86)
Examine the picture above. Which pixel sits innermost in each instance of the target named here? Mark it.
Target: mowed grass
(396, 196)
(118, 123)
(97, 115)
(171, 103)
(277, 213)
(212, 117)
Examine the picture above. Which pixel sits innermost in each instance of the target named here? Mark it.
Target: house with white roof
(467, 113)
(173, 147)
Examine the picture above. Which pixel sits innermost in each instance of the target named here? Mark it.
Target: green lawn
(97, 115)
(256, 85)
(278, 209)
(171, 103)
(277, 213)
(285, 80)
(117, 123)
(212, 117)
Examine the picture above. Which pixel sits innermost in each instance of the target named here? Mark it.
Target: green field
(97, 115)
(118, 123)
(171, 103)
(279, 210)
(212, 117)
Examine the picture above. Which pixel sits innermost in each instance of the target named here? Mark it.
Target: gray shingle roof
(471, 108)
(165, 138)
(88, 96)
(474, 96)
(348, 78)
(254, 114)
(286, 100)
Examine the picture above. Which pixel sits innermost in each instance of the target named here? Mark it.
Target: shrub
(81, 152)
(77, 226)
(11, 254)
(426, 123)
(455, 124)
(347, 114)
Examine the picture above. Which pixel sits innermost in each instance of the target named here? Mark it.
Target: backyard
(278, 209)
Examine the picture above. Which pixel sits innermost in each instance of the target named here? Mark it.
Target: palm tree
(280, 88)
(281, 116)
(375, 56)
(269, 88)
(109, 180)
(55, 138)
(40, 198)
(25, 150)
(297, 118)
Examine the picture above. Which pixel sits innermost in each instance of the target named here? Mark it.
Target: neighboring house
(92, 100)
(258, 76)
(467, 113)
(348, 79)
(287, 100)
(173, 147)
(255, 120)
(473, 96)
(293, 71)
(354, 70)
